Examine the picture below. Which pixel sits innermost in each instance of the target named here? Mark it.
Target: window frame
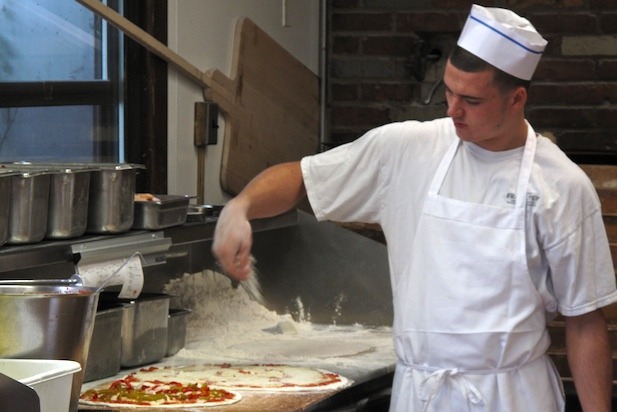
(144, 97)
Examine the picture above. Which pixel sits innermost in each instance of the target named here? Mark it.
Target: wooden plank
(250, 402)
(274, 116)
(270, 103)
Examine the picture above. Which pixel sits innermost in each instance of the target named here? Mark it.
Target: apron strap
(524, 173)
(431, 384)
(526, 168)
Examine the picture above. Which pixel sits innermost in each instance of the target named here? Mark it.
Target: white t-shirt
(383, 178)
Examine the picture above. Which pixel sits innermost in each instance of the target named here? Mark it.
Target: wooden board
(272, 107)
(270, 102)
(250, 402)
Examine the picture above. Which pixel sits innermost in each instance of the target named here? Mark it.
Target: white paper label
(126, 272)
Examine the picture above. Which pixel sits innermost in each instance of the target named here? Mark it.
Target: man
(491, 232)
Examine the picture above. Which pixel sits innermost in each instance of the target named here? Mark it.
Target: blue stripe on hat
(505, 35)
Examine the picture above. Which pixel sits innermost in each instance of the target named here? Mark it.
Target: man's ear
(519, 98)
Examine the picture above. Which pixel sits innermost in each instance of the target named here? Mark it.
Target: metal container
(144, 327)
(29, 207)
(68, 203)
(106, 344)
(112, 193)
(5, 202)
(165, 211)
(203, 213)
(48, 322)
(68, 196)
(176, 330)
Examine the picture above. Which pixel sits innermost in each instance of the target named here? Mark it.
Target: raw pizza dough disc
(270, 377)
(300, 348)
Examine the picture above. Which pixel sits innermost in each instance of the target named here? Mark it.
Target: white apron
(470, 328)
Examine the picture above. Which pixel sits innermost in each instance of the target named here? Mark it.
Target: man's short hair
(468, 62)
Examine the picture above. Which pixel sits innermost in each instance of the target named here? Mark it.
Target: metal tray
(166, 211)
(176, 330)
(106, 344)
(203, 213)
(144, 327)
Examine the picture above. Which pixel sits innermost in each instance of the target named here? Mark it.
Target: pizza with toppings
(207, 385)
(137, 392)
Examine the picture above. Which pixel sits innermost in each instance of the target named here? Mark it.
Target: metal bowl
(48, 322)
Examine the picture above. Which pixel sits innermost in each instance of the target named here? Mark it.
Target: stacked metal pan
(63, 201)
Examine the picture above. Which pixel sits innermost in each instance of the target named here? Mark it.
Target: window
(73, 88)
(60, 83)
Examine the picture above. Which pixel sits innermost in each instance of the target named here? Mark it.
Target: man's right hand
(274, 191)
(233, 239)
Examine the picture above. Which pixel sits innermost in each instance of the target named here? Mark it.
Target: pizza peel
(270, 103)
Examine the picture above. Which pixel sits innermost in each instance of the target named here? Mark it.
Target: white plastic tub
(50, 379)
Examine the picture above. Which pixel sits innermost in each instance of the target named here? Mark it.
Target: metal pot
(48, 322)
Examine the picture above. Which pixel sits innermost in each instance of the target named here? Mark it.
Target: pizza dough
(274, 349)
(252, 377)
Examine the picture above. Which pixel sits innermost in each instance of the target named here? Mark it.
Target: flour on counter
(228, 326)
(218, 307)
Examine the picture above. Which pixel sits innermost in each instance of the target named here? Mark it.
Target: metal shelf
(60, 256)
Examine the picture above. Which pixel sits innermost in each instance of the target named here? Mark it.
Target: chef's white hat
(503, 39)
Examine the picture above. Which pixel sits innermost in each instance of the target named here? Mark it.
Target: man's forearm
(274, 191)
(590, 360)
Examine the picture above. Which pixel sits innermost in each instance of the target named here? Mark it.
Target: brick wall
(386, 57)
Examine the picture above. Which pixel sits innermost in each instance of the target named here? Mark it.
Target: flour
(226, 325)
(219, 308)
